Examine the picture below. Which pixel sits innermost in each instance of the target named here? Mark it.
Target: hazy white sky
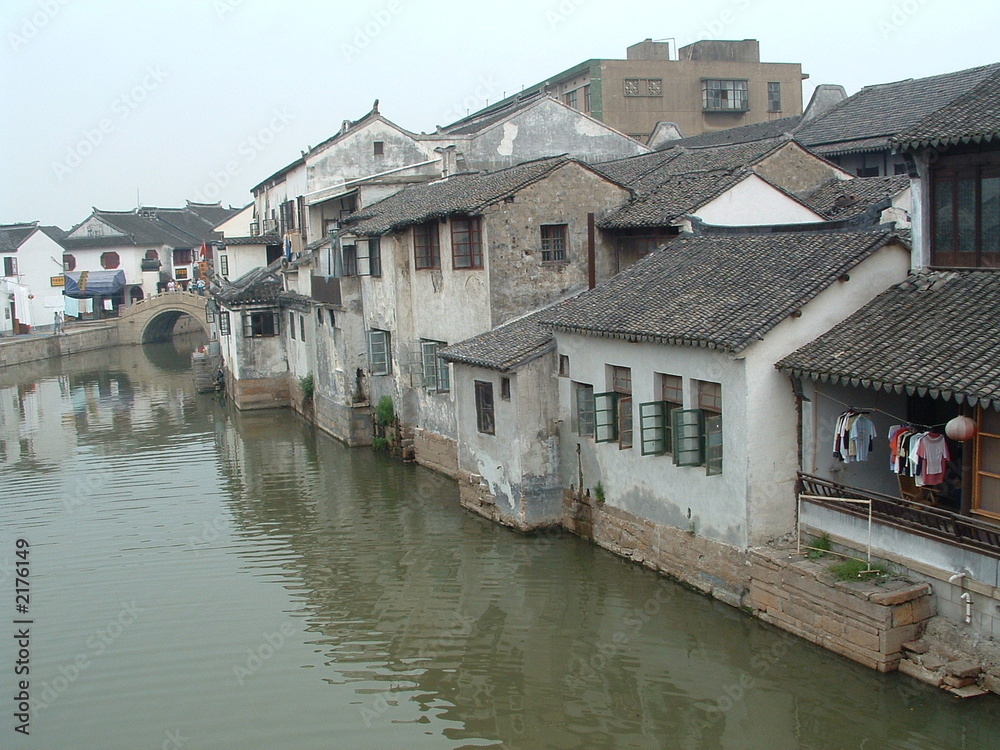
(101, 99)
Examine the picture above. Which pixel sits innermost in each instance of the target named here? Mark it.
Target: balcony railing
(924, 520)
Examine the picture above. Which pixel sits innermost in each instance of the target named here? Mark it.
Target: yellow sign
(180, 273)
(57, 281)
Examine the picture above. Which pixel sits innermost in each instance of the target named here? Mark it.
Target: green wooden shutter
(605, 417)
(653, 427)
(689, 432)
(713, 444)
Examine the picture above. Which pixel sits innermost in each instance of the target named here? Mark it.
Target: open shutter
(653, 427)
(415, 364)
(605, 417)
(689, 433)
(362, 260)
(713, 444)
(429, 364)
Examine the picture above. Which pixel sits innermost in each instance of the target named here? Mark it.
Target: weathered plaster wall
(513, 475)
(651, 487)
(771, 410)
(518, 278)
(353, 155)
(547, 129)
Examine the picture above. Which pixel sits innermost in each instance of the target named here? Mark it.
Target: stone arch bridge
(155, 318)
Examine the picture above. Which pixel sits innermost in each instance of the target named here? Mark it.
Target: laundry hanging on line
(921, 455)
(853, 437)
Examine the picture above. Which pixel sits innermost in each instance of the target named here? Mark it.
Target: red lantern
(960, 428)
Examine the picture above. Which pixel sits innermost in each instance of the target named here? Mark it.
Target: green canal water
(202, 578)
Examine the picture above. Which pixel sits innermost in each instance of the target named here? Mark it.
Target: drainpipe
(967, 598)
(591, 252)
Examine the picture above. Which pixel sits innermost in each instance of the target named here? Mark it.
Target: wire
(876, 409)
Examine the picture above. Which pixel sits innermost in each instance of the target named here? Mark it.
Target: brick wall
(435, 451)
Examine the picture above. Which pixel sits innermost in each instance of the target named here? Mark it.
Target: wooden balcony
(917, 518)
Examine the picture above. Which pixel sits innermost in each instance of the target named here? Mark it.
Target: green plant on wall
(307, 385)
(383, 411)
(380, 443)
(599, 493)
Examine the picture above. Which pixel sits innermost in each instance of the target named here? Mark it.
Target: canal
(204, 578)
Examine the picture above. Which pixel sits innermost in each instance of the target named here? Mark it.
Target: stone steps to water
(961, 677)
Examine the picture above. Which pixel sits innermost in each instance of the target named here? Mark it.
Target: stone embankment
(17, 350)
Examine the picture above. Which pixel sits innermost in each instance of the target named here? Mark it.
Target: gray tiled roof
(679, 180)
(720, 291)
(675, 196)
(257, 239)
(506, 346)
(868, 119)
(839, 199)
(937, 332)
(466, 193)
(12, 235)
(174, 227)
(973, 116)
(259, 286)
(757, 131)
(647, 171)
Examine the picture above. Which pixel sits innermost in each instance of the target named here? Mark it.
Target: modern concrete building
(709, 85)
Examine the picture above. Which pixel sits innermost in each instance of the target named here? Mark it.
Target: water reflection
(297, 594)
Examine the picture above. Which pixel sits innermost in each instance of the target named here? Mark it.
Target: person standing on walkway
(57, 322)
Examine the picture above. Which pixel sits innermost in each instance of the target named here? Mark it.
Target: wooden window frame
(110, 260)
(379, 352)
(9, 266)
(436, 376)
(584, 416)
(946, 183)
(485, 408)
(224, 323)
(978, 473)
(555, 243)
(736, 99)
(427, 246)
(255, 325)
(774, 96)
(466, 243)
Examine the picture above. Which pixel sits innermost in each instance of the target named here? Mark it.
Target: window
(570, 99)
(584, 411)
(10, 266)
(224, 323)
(966, 216)
(724, 96)
(182, 256)
(350, 260)
(466, 244)
(613, 410)
(553, 242)
(224, 265)
(435, 369)
(710, 402)
(485, 421)
(379, 148)
(505, 389)
(110, 260)
(302, 327)
(773, 97)
(655, 417)
(375, 256)
(986, 490)
(379, 361)
(319, 316)
(563, 365)
(867, 171)
(260, 324)
(291, 324)
(426, 246)
(643, 87)
(586, 98)
(69, 262)
(333, 319)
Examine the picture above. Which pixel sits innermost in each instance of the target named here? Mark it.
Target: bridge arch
(155, 318)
